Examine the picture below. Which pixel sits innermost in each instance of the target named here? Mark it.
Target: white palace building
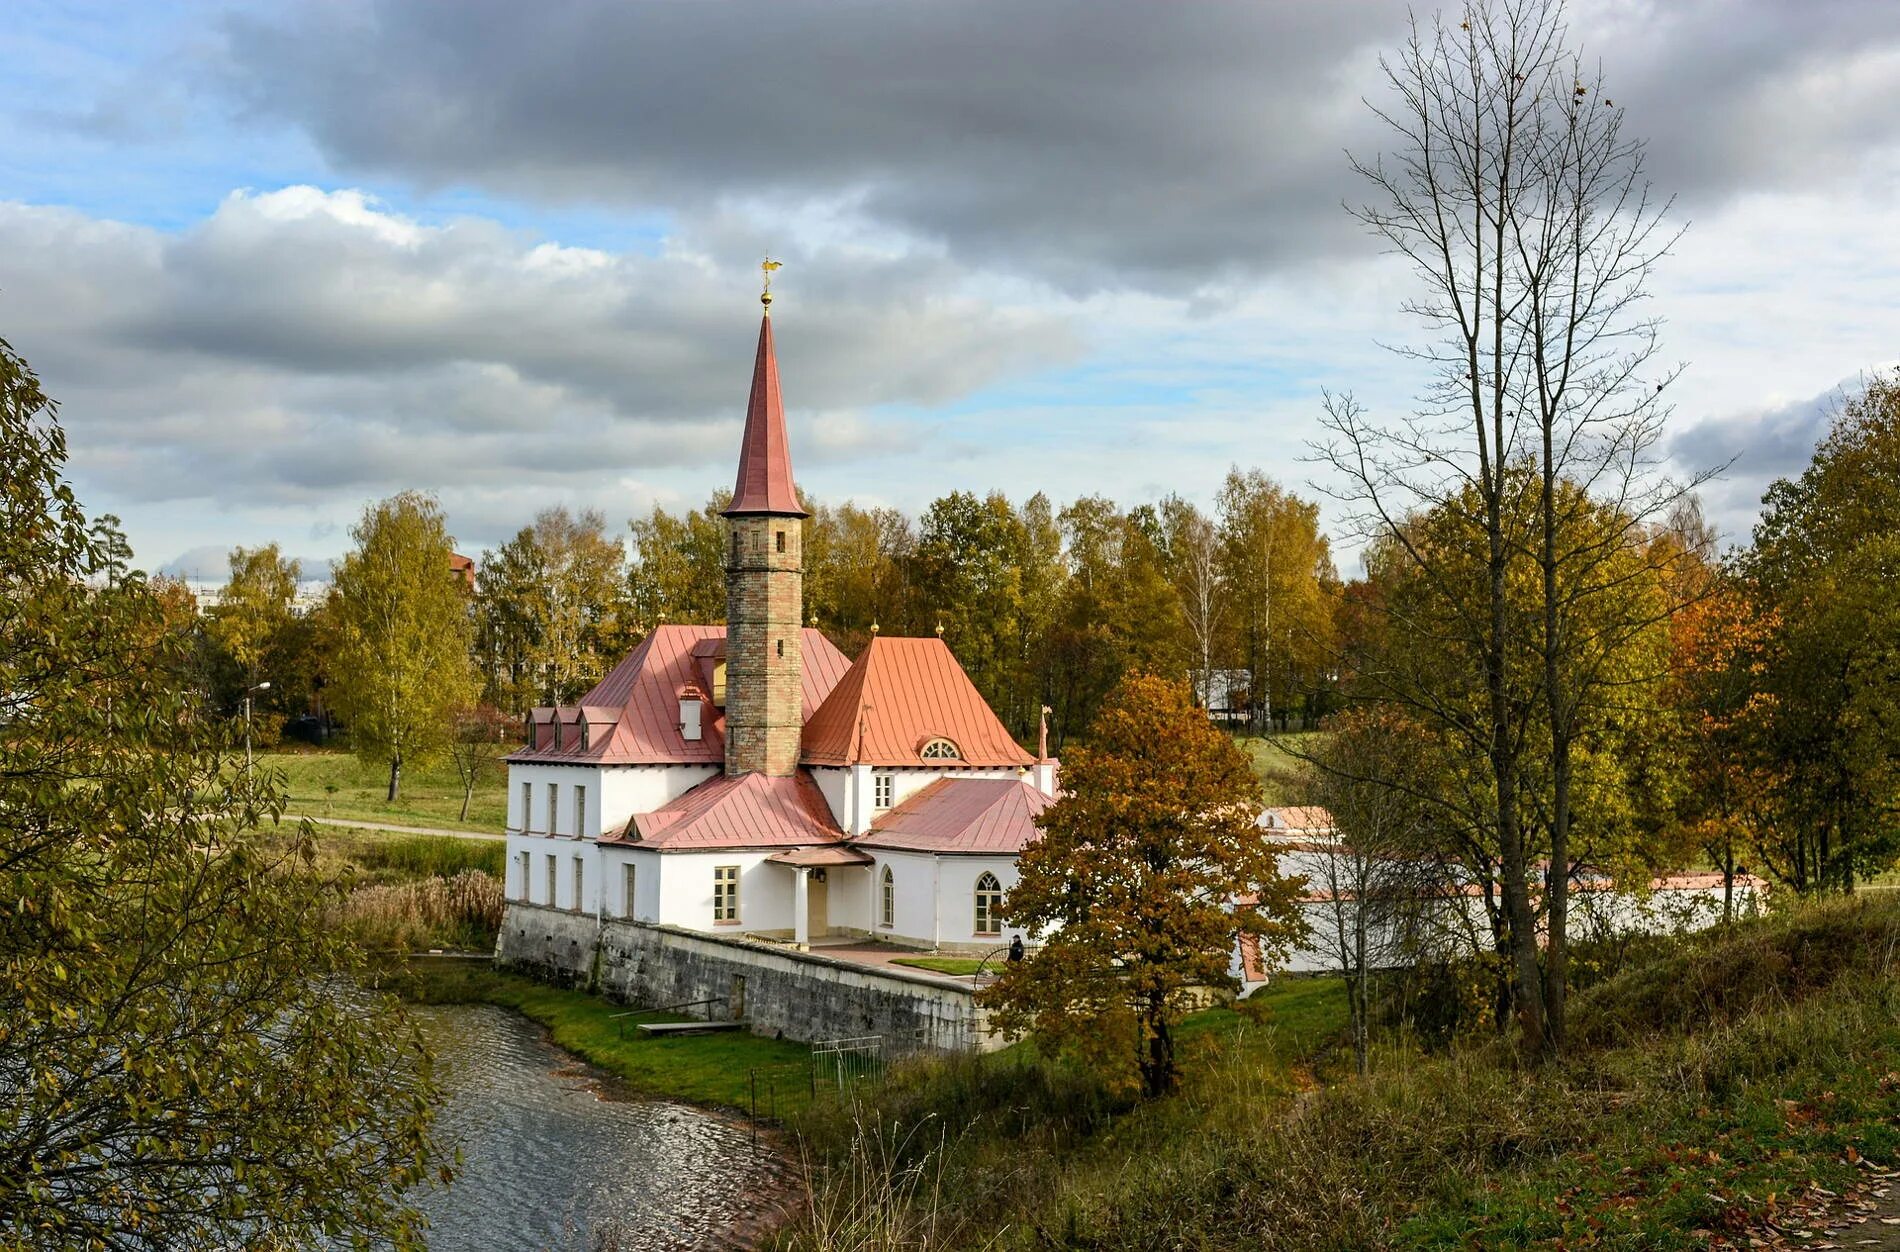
(750, 780)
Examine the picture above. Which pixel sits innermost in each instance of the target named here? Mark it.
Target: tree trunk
(468, 793)
(1157, 1071)
(395, 777)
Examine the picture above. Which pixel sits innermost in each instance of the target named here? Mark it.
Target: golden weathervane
(765, 296)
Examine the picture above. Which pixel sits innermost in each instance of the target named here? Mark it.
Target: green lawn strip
(1287, 1021)
(715, 1069)
(338, 785)
(941, 964)
(1274, 762)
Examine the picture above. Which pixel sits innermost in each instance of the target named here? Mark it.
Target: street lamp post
(263, 686)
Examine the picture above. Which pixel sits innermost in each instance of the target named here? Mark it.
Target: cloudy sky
(277, 260)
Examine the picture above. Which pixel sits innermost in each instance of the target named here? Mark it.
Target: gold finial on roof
(874, 628)
(765, 296)
(939, 628)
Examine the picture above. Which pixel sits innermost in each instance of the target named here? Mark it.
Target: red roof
(739, 811)
(996, 815)
(641, 697)
(896, 697)
(765, 458)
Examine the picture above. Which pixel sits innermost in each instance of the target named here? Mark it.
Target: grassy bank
(1280, 771)
(1715, 1088)
(719, 1069)
(338, 785)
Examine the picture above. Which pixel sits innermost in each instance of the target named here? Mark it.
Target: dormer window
(690, 718)
(719, 684)
(940, 749)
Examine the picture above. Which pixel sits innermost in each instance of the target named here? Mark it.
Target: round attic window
(940, 749)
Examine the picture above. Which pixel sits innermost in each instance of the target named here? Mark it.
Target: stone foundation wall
(803, 996)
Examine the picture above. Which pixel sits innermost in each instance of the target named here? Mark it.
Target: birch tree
(403, 629)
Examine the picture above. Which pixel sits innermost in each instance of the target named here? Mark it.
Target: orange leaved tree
(1148, 865)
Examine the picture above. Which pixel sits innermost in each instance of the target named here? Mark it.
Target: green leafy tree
(1823, 568)
(1147, 867)
(185, 1059)
(679, 567)
(403, 662)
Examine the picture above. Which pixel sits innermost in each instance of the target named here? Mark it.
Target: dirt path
(361, 824)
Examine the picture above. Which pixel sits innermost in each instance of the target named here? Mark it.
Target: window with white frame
(627, 895)
(887, 912)
(554, 807)
(989, 905)
(941, 749)
(882, 786)
(725, 893)
(580, 812)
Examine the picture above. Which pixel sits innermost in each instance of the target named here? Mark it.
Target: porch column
(801, 909)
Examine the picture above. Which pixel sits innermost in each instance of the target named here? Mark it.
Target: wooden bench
(689, 1028)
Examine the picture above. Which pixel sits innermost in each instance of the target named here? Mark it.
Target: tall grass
(1711, 1083)
(462, 911)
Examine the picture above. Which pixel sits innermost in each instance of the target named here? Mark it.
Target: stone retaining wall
(804, 996)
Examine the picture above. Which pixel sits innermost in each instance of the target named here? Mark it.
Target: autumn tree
(1825, 561)
(552, 612)
(857, 570)
(1191, 547)
(1147, 866)
(403, 633)
(1522, 205)
(185, 1060)
(1275, 566)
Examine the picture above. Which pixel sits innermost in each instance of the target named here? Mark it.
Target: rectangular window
(888, 914)
(726, 893)
(553, 881)
(527, 808)
(554, 807)
(580, 882)
(781, 541)
(580, 812)
(881, 788)
(627, 897)
(527, 878)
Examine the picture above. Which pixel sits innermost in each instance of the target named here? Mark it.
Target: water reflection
(552, 1159)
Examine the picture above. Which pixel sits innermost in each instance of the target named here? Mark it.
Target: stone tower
(764, 585)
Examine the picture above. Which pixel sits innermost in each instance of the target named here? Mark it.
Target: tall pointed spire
(764, 485)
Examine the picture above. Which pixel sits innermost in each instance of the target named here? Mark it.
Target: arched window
(989, 905)
(940, 749)
(888, 911)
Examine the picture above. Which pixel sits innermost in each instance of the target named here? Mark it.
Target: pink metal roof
(641, 695)
(897, 696)
(765, 456)
(739, 811)
(995, 815)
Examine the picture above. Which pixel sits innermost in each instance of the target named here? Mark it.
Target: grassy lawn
(940, 964)
(703, 1069)
(1288, 1021)
(1280, 771)
(336, 784)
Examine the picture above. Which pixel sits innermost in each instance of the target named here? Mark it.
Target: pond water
(556, 1157)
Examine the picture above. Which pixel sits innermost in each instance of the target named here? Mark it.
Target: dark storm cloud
(1088, 144)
